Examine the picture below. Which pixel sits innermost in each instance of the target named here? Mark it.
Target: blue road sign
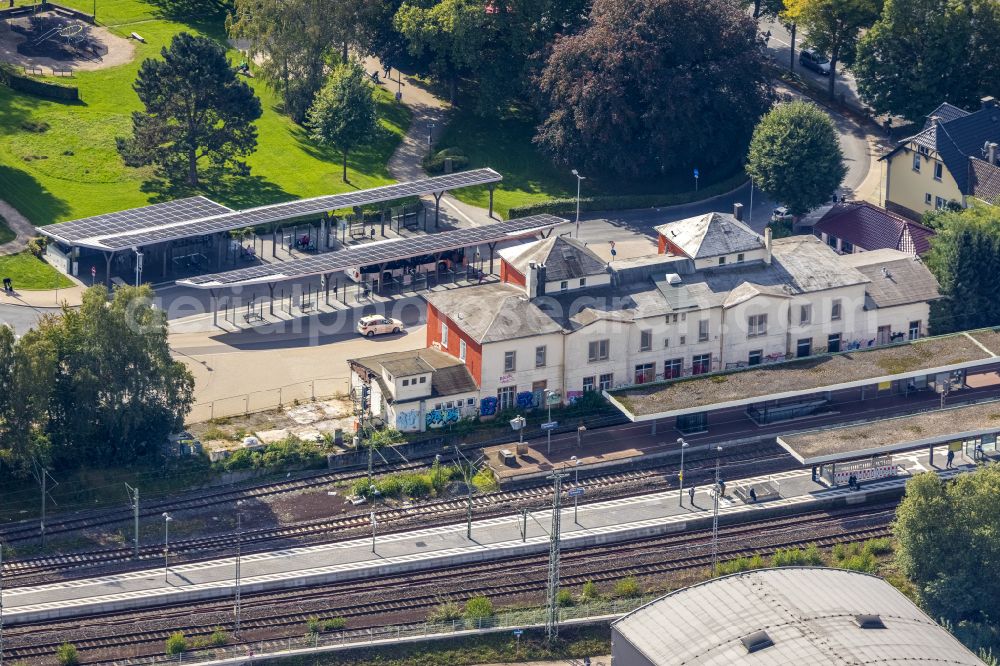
(575, 492)
(550, 425)
(518, 632)
(696, 172)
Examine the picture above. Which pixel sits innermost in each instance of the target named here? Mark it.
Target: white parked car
(373, 325)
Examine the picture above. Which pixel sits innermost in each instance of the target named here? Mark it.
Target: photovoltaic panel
(135, 219)
(151, 224)
(368, 254)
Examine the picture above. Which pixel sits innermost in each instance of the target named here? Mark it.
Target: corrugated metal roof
(808, 613)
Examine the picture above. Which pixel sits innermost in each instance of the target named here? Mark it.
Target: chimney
(991, 152)
(935, 120)
(738, 211)
(988, 102)
(540, 288)
(530, 278)
(767, 245)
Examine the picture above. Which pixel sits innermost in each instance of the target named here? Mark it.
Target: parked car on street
(373, 325)
(814, 60)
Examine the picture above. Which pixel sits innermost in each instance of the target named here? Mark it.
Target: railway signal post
(715, 516)
(133, 498)
(468, 472)
(680, 477)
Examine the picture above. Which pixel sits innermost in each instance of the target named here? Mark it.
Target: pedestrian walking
(951, 459)
(691, 494)
(722, 488)
(753, 495)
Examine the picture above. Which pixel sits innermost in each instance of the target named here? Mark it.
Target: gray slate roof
(906, 279)
(493, 312)
(810, 615)
(711, 235)
(985, 180)
(450, 376)
(957, 138)
(564, 258)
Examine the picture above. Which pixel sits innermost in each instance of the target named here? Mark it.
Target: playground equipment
(58, 37)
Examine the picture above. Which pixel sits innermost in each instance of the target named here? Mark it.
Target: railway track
(368, 603)
(426, 514)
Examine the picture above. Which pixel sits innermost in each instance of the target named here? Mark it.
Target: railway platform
(492, 539)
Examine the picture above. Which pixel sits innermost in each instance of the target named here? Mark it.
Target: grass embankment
(29, 273)
(58, 161)
(6, 234)
(529, 177)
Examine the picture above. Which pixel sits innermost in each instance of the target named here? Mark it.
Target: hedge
(625, 202)
(10, 78)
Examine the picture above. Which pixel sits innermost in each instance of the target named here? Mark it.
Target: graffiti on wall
(526, 399)
(437, 418)
(573, 396)
(488, 406)
(408, 421)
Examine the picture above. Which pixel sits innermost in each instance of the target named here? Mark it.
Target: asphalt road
(20, 317)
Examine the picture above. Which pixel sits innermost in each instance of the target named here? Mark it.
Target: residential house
(718, 296)
(414, 390)
(859, 226)
(936, 167)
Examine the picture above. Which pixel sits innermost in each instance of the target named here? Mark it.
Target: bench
(252, 316)
(137, 37)
(306, 306)
(33, 69)
(62, 70)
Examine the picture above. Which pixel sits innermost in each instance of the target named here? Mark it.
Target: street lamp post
(579, 179)
(237, 608)
(680, 477)
(166, 545)
(576, 484)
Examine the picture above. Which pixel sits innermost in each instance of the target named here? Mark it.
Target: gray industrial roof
(811, 615)
(711, 235)
(450, 376)
(564, 258)
(896, 278)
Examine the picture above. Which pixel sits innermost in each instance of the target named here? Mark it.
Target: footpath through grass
(529, 177)
(58, 161)
(29, 273)
(6, 234)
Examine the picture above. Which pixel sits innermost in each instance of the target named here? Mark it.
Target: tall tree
(924, 52)
(293, 43)
(344, 113)
(949, 535)
(116, 393)
(765, 8)
(26, 373)
(795, 156)
(965, 259)
(196, 112)
(654, 86)
(833, 27)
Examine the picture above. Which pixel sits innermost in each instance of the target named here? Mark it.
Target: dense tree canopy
(795, 156)
(196, 112)
(293, 41)
(833, 27)
(490, 46)
(654, 86)
(924, 52)
(344, 112)
(93, 385)
(965, 259)
(949, 543)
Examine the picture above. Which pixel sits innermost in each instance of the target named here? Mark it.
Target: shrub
(333, 624)
(312, 624)
(589, 592)
(865, 562)
(485, 482)
(627, 587)
(880, 546)
(176, 644)
(36, 246)
(564, 598)
(416, 485)
(66, 654)
(435, 163)
(478, 607)
(215, 432)
(448, 611)
(741, 564)
(793, 557)
(218, 638)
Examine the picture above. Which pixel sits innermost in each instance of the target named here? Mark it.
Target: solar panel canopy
(368, 254)
(198, 216)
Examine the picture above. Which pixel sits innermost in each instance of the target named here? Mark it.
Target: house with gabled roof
(859, 226)
(936, 167)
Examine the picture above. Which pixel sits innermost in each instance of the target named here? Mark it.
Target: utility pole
(715, 517)
(1, 604)
(467, 474)
(43, 476)
(237, 608)
(133, 498)
(552, 619)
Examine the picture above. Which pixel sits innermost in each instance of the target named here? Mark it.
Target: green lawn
(71, 169)
(6, 235)
(31, 274)
(529, 177)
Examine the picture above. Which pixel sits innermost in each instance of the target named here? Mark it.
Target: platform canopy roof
(807, 376)
(198, 216)
(901, 433)
(379, 252)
